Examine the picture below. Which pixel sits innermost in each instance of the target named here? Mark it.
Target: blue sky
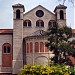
(6, 11)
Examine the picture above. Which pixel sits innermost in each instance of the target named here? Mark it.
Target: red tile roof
(10, 31)
(6, 31)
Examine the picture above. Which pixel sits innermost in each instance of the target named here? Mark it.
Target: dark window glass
(42, 24)
(18, 14)
(27, 23)
(5, 49)
(61, 15)
(39, 23)
(39, 13)
(8, 49)
(52, 24)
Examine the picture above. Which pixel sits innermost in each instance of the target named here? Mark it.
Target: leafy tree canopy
(59, 44)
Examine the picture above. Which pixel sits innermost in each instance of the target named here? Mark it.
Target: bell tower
(18, 11)
(60, 12)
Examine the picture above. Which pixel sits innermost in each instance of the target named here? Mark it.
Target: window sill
(39, 27)
(26, 27)
(6, 53)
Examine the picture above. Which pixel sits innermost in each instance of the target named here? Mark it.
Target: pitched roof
(6, 31)
(18, 6)
(60, 7)
(37, 7)
(38, 33)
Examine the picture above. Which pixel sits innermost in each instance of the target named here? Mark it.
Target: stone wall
(5, 39)
(31, 15)
(39, 57)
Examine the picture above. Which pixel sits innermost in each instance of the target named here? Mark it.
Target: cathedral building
(25, 43)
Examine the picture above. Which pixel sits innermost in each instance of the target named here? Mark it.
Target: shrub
(46, 70)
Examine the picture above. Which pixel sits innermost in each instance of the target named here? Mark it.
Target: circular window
(39, 13)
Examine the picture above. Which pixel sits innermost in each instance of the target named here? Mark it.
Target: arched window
(27, 23)
(61, 15)
(28, 48)
(36, 47)
(39, 23)
(41, 47)
(46, 50)
(31, 47)
(6, 48)
(52, 23)
(17, 14)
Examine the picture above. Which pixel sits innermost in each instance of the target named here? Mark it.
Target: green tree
(59, 44)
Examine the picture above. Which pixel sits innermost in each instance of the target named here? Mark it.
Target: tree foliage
(59, 44)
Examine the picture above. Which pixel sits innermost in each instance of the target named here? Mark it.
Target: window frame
(27, 48)
(28, 23)
(41, 47)
(61, 15)
(39, 23)
(18, 14)
(7, 51)
(39, 13)
(53, 23)
(36, 47)
(31, 47)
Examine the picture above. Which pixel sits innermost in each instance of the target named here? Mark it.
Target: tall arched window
(31, 47)
(41, 47)
(28, 48)
(36, 47)
(46, 50)
(61, 15)
(27, 23)
(39, 23)
(17, 14)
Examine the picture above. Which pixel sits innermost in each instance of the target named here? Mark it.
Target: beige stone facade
(25, 43)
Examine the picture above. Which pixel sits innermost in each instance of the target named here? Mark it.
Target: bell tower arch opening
(61, 15)
(18, 14)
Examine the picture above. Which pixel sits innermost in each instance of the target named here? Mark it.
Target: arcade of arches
(38, 47)
(36, 44)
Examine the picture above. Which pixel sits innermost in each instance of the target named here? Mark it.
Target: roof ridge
(37, 7)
